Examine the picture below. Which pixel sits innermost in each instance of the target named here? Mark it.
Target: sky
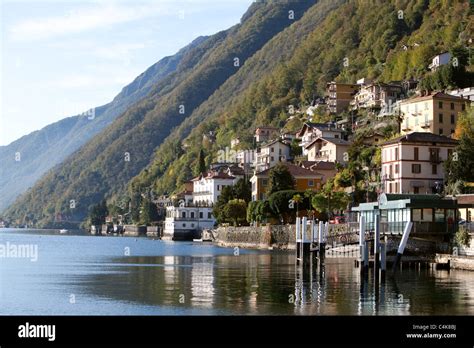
(60, 58)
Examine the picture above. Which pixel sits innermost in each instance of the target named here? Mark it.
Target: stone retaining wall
(261, 237)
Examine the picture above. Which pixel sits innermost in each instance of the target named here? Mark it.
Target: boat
(63, 231)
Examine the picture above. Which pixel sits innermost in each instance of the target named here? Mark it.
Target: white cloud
(84, 19)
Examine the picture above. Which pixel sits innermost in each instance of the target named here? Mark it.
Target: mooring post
(403, 243)
(377, 243)
(306, 243)
(383, 259)
(298, 241)
(361, 242)
(366, 257)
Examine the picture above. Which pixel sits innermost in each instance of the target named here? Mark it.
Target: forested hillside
(41, 150)
(105, 164)
(358, 39)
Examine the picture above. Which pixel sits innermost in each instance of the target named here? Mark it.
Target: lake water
(89, 275)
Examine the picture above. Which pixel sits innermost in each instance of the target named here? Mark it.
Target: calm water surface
(88, 275)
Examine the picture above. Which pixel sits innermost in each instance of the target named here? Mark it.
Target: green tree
(148, 212)
(243, 190)
(98, 213)
(236, 210)
(226, 195)
(328, 200)
(280, 179)
(201, 163)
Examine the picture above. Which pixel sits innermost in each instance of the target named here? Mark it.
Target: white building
(467, 93)
(311, 131)
(328, 149)
(270, 154)
(438, 60)
(186, 220)
(413, 163)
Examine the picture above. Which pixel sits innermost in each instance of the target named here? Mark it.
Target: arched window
(183, 214)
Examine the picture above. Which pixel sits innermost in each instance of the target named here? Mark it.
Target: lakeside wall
(283, 237)
(280, 237)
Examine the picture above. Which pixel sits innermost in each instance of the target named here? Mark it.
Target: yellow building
(435, 113)
(305, 179)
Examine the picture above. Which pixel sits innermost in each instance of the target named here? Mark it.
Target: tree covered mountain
(107, 162)
(25, 160)
(355, 39)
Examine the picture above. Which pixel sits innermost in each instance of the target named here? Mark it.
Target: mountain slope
(109, 161)
(41, 150)
(354, 31)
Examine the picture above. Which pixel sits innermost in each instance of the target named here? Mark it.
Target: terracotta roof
(276, 141)
(324, 165)
(439, 95)
(336, 141)
(421, 137)
(295, 170)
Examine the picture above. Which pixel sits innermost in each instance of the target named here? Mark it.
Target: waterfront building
(270, 154)
(435, 113)
(376, 96)
(438, 60)
(431, 214)
(339, 96)
(328, 149)
(466, 93)
(266, 133)
(186, 220)
(305, 179)
(325, 168)
(310, 131)
(413, 163)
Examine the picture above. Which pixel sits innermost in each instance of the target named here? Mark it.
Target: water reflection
(270, 284)
(185, 278)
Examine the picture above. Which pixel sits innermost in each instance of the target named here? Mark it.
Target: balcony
(406, 128)
(426, 125)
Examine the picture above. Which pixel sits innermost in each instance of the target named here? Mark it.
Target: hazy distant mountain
(39, 151)
(99, 167)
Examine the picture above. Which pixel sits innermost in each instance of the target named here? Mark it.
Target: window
(396, 154)
(463, 107)
(452, 119)
(441, 131)
(192, 215)
(192, 225)
(310, 183)
(440, 104)
(264, 182)
(450, 152)
(415, 153)
(434, 169)
(201, 214)
(183, 214)
(416, 168)
(440, 117)
(218, 187)
(396, 168)
(396, 187)
(184, 225)
(272, 158)
(452, 106)
(390, 188)
(390, 170)
(336, 136)
(416, 190)
(452, 131)
(272, 149)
